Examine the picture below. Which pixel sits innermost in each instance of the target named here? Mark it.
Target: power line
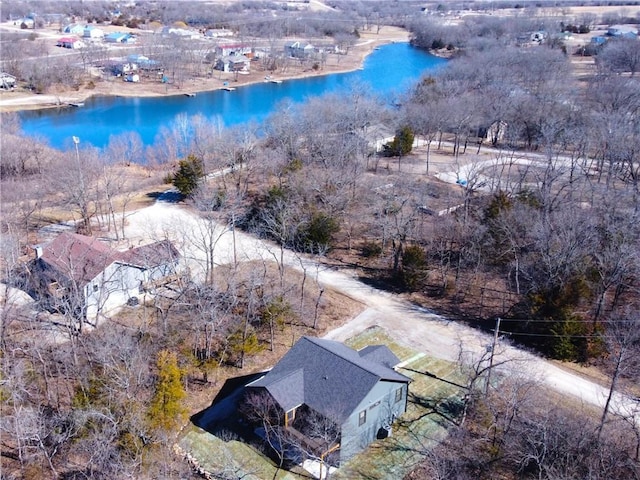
(551, 335)
(535, 320)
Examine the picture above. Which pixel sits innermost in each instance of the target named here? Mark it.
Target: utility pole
(493, 349)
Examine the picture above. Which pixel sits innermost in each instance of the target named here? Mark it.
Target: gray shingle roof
(328, 376)
(379, 354)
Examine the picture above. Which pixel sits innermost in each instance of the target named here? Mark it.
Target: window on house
(398, 394)
(362, 418)
(95, 287)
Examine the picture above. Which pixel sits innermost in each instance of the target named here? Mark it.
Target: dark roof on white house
(328, 376)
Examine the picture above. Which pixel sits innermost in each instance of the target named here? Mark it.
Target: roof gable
(150, 255)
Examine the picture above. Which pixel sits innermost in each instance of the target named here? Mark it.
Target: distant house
(538, 37)
(137, 58)
(377, 136)
(180, 32)
(359, 394)
(119, 37)
(493, 133)
(228, 49)
(26, 21)
(233, 63)
(93, 32)
(87, 278)
(623, 31)
(218, 32)
(298, 49)
(70, 42)
(7, 81)
(122, 68)
(140, 62)
(74, 29)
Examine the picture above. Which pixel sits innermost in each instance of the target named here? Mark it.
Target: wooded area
(541, 230)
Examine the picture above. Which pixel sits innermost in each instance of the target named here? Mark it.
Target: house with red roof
(70, 42)
(86, 278)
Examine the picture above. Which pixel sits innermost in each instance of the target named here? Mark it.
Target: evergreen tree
(188, 176)
(402, 143)
(165, 410)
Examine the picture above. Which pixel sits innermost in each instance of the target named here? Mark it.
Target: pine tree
(166, 411)
(188, 176)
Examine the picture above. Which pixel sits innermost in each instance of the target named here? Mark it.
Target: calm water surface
(388, 71)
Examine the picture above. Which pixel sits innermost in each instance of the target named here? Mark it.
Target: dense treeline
(515, 433)
(549, 227)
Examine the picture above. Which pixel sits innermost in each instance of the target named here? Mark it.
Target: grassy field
(431, 401)
(433, 398)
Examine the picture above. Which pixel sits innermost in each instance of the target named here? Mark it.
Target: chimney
(38, 250)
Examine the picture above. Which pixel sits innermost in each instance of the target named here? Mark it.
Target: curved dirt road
(414, 326)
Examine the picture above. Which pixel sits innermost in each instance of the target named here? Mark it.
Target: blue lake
(388, 71)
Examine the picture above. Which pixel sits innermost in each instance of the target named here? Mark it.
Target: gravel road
(412, 325)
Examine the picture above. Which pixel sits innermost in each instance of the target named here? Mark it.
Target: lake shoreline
(114, 87)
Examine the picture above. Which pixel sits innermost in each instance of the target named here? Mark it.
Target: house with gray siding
(359, 392)
(87, 278)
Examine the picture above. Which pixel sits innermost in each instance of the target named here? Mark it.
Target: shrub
(317, 234)
(371, 249)
(277, 312)
(414, 267)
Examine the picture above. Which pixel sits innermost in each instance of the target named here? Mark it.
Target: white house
(85, 277)
(70, 42)
(298, 49)
(625, 31)
(218, 32)
(377, 136)
(7, 81)
(119, 37)
(93, 32)
(228, 49)
(233, 63)
(74, 29)
(26, 21)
